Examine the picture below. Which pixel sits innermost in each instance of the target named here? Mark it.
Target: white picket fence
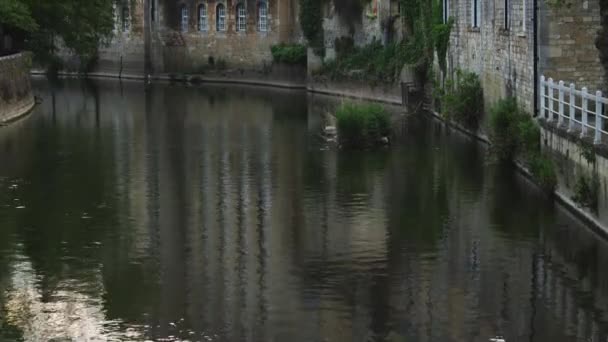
(577, 108)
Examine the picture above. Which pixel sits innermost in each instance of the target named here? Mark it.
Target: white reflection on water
(65, 314)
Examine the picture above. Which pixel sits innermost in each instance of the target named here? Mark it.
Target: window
(184, 22)
(446, 11)
(125, 18)
(241, 18)
(506, 15)
(220, 18)
(263, 17)
(153, 10)
(475, 13)
(202, 18)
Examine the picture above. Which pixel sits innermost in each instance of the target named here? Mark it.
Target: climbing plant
(311, 21)
(441, 37)
(422, 20)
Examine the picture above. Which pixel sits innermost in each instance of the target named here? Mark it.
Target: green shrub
(463, 99)
(515, 133)
(586, 191)
(289, 54)
(362, 125)
(528, 135)
(344, 47)
(503, 128)
(587, 151)
(543, 171)
(512, 131)
(373, 62)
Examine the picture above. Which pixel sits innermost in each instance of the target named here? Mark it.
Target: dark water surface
(215, 214)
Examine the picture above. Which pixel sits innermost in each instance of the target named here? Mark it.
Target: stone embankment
(16, 97)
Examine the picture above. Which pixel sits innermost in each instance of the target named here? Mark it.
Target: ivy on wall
(423, 23)
(311, 21)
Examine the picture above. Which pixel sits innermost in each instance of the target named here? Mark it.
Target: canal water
(215, 213)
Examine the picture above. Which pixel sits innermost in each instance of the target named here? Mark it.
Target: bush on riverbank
(362, 125)
(586, 193)
(462, 99)
(294, 54)
(513, 131)
(515, 134)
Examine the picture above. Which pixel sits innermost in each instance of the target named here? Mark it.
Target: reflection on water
(215, 213)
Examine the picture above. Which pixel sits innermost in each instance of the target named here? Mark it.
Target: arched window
(202, 17)
(220, 18)
(263, 17)
(241, 18)
(125, 18)
(184, 21)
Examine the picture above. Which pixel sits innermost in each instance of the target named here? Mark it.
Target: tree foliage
(78, 25)
(17, 15)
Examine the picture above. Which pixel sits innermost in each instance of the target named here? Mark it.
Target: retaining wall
(16, 96)
(389, 93)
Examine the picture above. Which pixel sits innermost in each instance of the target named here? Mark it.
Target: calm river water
(215, 214)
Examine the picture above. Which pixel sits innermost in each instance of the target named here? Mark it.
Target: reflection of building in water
(217, 226)
(68, 315)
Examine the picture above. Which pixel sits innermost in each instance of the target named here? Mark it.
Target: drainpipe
(536, 57)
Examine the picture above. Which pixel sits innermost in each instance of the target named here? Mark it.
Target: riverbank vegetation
(461, 99)
(361, 126)
(373, 62)
(294, 54)
(515, 135)
(44, 26)
(426, 36)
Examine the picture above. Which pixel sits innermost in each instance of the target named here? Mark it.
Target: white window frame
(241, 18)
(184, 18)
(446, 11)
(263, 16)
(220, 20)
(202, 18)
(475, 13)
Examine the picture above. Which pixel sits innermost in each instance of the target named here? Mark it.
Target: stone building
(187, 36)
(498, 40)
(377, 20)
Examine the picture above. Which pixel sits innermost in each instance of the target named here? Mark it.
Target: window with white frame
(202, 17)
(184, 20)
(125, 18)
(220, 18)
(446, 11)
(475, 13)
(263, 16)
(241, 18)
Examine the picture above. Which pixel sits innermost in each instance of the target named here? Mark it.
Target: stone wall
(567, 38)
(568, 154)
(388, 93)
(375, 18)
(192, 50)
(125, 54)
(500, 51)
(16, 96)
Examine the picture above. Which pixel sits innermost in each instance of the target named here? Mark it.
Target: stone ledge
(18, 112)
(574, 136)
